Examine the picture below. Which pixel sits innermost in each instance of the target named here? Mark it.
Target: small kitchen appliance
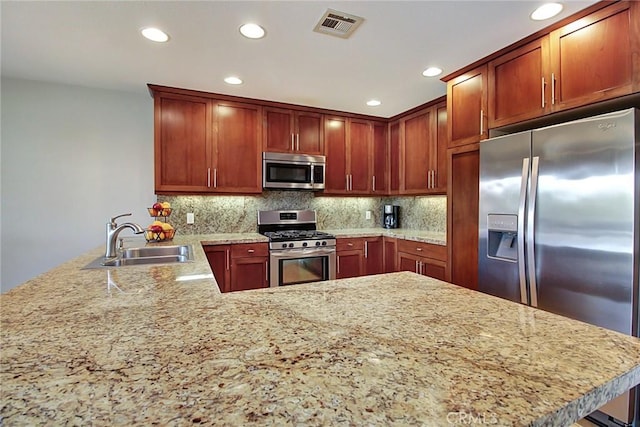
(298, 253)
(285, 171)
(391, 216)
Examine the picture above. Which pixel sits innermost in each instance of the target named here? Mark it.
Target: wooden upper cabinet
(290, 131)
(592, 59)
(182, 147)
(237, 159)
(439, 182)
(395, 131)
(518, 84)
(467, 107)
(349, 152)
(335, 141)
(379, 183)
(418, 146)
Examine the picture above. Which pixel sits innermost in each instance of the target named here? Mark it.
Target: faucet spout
(113, 230)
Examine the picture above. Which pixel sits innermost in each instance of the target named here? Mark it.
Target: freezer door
(584, 220)
(504, 166)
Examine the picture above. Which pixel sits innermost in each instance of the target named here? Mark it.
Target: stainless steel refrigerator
(559, 223)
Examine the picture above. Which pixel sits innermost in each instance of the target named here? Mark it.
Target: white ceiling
(98, 44)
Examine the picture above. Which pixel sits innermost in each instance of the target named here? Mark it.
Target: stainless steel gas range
(298, 253)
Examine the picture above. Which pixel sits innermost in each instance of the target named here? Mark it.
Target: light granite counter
(425, 236)
(159, 345)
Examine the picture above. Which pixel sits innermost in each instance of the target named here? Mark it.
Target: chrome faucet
(114, 229)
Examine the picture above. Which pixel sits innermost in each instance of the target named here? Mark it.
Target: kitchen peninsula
(160, 345)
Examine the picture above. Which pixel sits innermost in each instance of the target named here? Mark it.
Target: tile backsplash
(238, 214)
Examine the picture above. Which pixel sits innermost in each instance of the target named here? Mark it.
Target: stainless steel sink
(146, 255)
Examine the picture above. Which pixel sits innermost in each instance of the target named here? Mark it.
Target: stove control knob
(317, 243)
(304, 244)
(324, 243)
(290, 245)
(284, 245)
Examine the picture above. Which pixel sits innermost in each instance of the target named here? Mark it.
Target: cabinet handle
(297, 142)
(481, 122)
(266, 272)
(250, 251)
(228, 263)
(543, 85)
(366, 249)
(421, 265)
(434, 179)
(292, 146)
(553, 89)
(374, 182)
(215, 178)
(338, 264)
(347, 181)
(350, 182)
(417, 264)
(208, 177)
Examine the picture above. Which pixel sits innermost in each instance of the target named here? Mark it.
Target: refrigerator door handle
(531, 257)
(522, 275)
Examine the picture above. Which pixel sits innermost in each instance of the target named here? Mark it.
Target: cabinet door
(379, 183)
(373, 256)
(278, 130)
(182, 145)
(349, 264)
(434, 268)
(467, 107)
(394, 157)
(462, 217)
(517, 84)
(238, 156)
(390, 254)
(335, 140)
(219, 261)
(442, 142)
(592, 59)
(360, 156)
(309, 133)
(407, 262)
(418, 144)
(249, 273)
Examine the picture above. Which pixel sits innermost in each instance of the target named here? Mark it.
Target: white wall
(71, 157)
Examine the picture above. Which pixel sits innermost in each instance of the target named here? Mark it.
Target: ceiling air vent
(338, 24)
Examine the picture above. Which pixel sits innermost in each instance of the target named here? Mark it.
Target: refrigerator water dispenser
(503, 237)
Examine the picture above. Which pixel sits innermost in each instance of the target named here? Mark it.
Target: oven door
(296, 266)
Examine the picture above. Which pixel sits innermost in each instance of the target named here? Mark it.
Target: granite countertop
(425, 236)
(160, 345)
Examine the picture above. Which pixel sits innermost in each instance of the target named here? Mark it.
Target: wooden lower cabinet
(239, 267)
(390, 253)
(422, 258)
(359, 256)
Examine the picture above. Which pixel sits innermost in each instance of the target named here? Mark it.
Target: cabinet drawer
(423, 249)
(350, 244)
(249, 250)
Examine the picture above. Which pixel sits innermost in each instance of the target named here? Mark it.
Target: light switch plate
(190, 218)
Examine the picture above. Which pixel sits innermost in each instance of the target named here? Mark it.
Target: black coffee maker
(391, 216)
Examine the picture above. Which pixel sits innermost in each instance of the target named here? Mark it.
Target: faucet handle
(113, 219)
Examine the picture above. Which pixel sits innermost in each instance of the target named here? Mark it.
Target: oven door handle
(292, 253)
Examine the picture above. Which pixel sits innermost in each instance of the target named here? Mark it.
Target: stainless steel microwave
(292, 171)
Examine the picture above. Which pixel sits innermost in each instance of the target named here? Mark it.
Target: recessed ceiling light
(232, 80)
(432, 72)
(155, 34)
(546, 11)
(373, 103)
(252, 31)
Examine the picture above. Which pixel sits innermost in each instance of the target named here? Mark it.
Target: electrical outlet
(367, 215)
(190, 218)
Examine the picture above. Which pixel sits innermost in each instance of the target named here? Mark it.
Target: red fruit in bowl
(157, 206)
(155, 229)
